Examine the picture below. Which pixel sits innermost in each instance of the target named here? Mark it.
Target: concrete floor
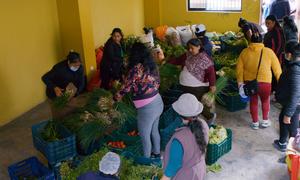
(252, 156)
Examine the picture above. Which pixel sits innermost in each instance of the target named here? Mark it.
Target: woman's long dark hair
(195, 42)
(139, 53)
(197, 130)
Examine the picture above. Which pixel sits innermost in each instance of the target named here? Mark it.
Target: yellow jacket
(248, 63)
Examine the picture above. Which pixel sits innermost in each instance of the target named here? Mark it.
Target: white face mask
(287, 57)
(74, 69)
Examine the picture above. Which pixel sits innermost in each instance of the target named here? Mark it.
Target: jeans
(288, 129)
(148, 120)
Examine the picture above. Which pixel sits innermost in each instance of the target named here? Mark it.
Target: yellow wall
(174, 13)
(29, 46)
(152, 13)
(87, 36)
(70, 30)
(126, 14)
(76, 30)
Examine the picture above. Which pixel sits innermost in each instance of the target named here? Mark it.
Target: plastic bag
(185, 33)
(160, 32)
(173, 36)
(147, 39)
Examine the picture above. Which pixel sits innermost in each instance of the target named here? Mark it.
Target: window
(215, 5)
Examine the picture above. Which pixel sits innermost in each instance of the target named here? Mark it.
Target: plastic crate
(168, 100)
(55, 151)
(215, 151)
(233, 102)
(167, 133)
(168, 117)
(93, 147)
(229, 98)
(30, 167)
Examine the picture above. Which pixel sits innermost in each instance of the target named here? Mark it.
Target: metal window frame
(204, 9)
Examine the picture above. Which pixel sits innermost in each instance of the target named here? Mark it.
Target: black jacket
(274, 40)
(112, 62)
(60, 76)
(288, 88)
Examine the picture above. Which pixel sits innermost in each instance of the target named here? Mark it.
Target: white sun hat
(110, 163)
(200, 28)
(187, 105)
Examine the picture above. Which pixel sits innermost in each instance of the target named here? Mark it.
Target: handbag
(251, 87)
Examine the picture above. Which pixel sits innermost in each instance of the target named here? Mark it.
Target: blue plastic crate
(168, 117)
(167, 133)
(55, 151)
(30, 167)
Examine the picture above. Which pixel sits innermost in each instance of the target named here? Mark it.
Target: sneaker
(280, 146)
(266, 123)
(155, 156)
(255, 125)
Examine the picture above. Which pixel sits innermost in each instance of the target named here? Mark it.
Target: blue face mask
(74, 69)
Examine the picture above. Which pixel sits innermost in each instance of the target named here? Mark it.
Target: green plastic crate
(215, 151)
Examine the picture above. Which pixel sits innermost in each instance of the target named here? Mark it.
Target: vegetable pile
(129, 170)
(217, 134)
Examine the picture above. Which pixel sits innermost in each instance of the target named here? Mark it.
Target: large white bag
(147, 39)
(185, 33)
(173, 36)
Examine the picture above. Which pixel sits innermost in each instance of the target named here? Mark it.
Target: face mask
(74, 68)
(287, 57)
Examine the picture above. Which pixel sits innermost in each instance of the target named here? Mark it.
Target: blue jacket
(280, 8)
(207, 45)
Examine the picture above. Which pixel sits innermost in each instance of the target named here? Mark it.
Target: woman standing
(288, 94)
(143, 82)
(185, 152)
(247, 69)
(198, 75)
(112, 64)
(249, 28)
(274, 39)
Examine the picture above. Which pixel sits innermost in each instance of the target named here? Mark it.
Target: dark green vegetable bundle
(169, 75)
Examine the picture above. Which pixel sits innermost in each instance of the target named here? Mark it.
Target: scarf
(197, 64)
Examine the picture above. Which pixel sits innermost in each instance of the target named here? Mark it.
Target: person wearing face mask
(198, 75)
(63, 74)
(200, 31)
(112, 65)
(66, 76)
(288, 95)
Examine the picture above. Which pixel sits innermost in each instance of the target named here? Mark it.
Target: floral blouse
(142, 83)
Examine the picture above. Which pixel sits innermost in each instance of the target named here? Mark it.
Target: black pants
(288, 129)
